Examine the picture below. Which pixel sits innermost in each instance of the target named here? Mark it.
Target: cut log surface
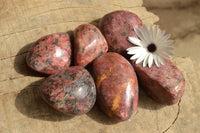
(22, 109)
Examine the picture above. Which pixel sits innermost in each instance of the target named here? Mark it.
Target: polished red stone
(71, 91)
(116, 27)
(117, 86)
(50, 53)
(89, 44)
(164, 84)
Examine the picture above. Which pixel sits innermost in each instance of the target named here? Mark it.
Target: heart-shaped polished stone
(71, 91)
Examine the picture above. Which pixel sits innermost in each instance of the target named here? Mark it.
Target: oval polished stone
(50, 53)
(164, 84)
(116, 27)
(89, 43)
(117, 86)
(71, 91)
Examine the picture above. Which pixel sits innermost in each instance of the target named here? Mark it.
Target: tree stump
(22, 109)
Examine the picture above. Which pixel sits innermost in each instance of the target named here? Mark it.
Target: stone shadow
(97, 115)
(96, 22)
(30, 103)
(20, 65)
(146, 102)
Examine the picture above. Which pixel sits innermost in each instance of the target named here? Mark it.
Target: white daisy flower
(150, 47)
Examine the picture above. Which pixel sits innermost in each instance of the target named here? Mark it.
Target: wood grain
(22, 110)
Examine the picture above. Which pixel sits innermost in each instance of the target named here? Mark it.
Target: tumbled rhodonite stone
(71, 91)
(116, 27)
(117, 86)
(165, 84)
(50, 53)
(89, 43)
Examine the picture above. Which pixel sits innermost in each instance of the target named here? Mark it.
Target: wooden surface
(23, 111)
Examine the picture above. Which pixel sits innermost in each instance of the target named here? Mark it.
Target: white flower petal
(136, 50)
(156, 30)
(135, 56)
(145, 60)
(163, 54)
(161, 60)
(170, 41)
(165, 48)
(156, 61)
(138, 32)
(140, 59)
(169, 53)
(155, 33)
(143, 39)
(167, 42)
(135, 41)
(161, 34)
(133, 48)
(146, 29)
(150, 60)
(164, 38)
(169, 48)
(151, 33)
(147, 37)
(144, 44)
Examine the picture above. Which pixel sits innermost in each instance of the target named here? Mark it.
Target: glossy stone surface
(89, 44)
(116, 27)
(71, 91)
(117, 86)
(165, 84)
(50, 53)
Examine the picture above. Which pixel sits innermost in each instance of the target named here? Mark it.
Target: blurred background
(180, 18)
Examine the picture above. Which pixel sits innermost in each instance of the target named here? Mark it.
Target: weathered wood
(22, 110)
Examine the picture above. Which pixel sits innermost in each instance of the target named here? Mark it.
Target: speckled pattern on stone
(164, 84)
(50, 53)
(71, 91)
(116, 27)
(89, 44)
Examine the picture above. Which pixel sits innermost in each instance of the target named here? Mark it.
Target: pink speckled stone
(50, 54)
(89, 43)
(165, 84)
(71, 91)
(116, 27)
